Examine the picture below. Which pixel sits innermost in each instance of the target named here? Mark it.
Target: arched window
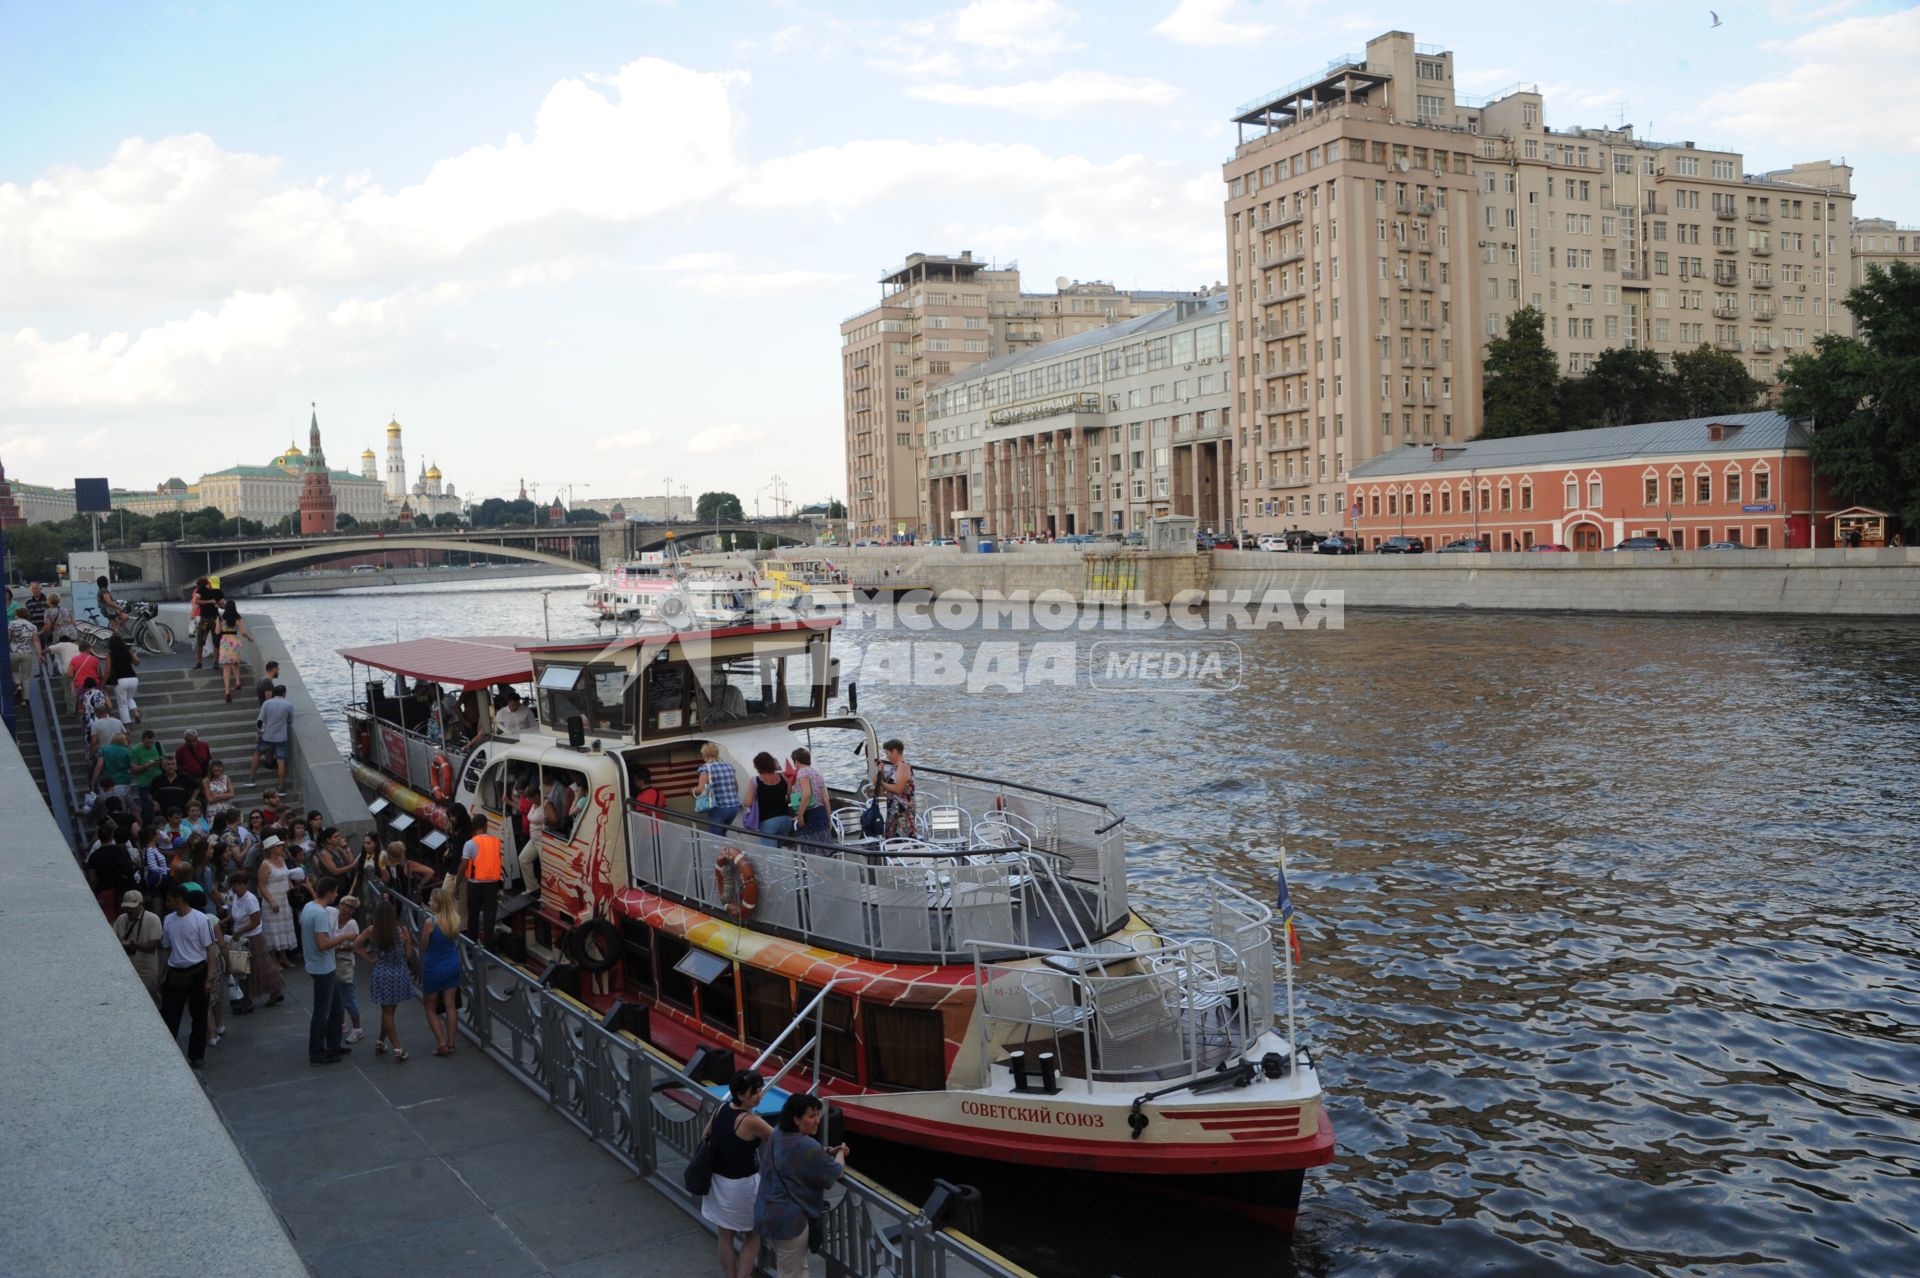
(1762, 483)
(1446, 501)
(1676, 487)
(1526, 501)
(1376, 501)
(1406, 499)
(1733, 485)
(1466, 499)
(1573, 493)
(1393, 502)
(1486, 496)
(1703, 485)
(1506, 495)
(1593, 489)
(1426, 500)
(1650, 487)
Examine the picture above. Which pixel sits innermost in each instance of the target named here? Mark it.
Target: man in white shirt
(317, 941)
(188, 935)
(514, 715)
(246, 923)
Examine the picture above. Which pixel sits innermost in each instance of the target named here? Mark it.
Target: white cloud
(719, 439)
(625, 441)
(19, 444)
(1018, 29)
(181, 217)
(1206, 23)
(758, 283)
(1797, 108)
(1065, 94)
(994, 35)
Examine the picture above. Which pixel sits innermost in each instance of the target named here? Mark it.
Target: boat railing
(406, 754)
(909, 906)
(1088, 833)
(1151, 1008)
(641, 1107)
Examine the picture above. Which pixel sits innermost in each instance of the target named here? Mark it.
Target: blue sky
(610, 244)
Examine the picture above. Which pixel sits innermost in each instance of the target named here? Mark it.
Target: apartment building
(1880, 241)
(937, 317)
(1381, 227)
(1096, 432)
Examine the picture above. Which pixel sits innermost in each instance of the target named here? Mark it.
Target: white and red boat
(982, 987)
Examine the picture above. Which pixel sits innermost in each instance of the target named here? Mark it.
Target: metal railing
(920, 905)
(43, 707)
(1153, 1007)
(638, 1105)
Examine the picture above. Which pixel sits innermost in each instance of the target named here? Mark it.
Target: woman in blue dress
(388, 947)
(440, 965)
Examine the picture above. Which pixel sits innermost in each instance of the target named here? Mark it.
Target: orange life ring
(440, 778)
(743, 893)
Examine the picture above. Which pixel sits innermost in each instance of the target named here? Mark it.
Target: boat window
(639, 939)
(490, 791)
(906, 1047)
(839, 1054)
(676, 988)
(769, 1001)
(840, 754)
(734, 691)
(720, 1004)
(597, 694)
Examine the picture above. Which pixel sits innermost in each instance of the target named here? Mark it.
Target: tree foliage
(1521, 379)
(717, 506)
(1708, 383)
(1862, 396)
(1623, 386)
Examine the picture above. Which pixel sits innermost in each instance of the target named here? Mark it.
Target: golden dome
(393, 429)
(433, 472)
(366, 454)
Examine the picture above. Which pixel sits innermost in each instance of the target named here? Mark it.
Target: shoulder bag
(697, 1179)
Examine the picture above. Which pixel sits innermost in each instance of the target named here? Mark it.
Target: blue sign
(1766, 509)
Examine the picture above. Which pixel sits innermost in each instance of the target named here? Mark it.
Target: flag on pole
(1285, 907)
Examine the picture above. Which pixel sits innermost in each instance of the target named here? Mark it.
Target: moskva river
(1611, 955)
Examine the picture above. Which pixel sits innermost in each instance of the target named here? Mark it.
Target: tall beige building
(1381, 227)
(1880, 241)
(937, 317)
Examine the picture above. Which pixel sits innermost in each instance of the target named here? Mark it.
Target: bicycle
(140, 624)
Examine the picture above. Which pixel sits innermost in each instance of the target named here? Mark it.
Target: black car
(1337, 545)
(1463, 546)
(1299, 539)
(1644, 543)
(1402, 546)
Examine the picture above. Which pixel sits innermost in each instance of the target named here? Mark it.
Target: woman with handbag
(795, 1174)
(770, 797)
(736, 1135)
(716, 794)
(896, 784)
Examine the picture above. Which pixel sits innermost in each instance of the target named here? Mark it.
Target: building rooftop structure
(1188, 306)
(1746, 433)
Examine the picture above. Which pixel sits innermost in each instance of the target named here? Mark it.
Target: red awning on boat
(470, 661)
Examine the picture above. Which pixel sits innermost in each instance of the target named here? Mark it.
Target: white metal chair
(946, 825)
(846, 829)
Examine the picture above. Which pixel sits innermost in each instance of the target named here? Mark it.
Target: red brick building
(1744, 477)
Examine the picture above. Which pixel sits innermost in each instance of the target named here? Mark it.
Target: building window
(1526, 496)
(1593, 492)
(1573, 494)
(1703, 489)
(1762, 485)
(1733, 486)
(1652, 492)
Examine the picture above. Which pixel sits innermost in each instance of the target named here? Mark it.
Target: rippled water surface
(1609, 923)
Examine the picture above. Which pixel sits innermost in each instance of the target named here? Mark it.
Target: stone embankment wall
(1883, 583)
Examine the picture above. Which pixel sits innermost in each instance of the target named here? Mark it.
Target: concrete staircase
(171, 701)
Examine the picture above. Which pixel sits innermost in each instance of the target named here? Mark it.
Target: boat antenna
(1286, 920)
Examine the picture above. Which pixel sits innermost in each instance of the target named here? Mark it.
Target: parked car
(1462, 546)
(1135, 539)
(1644, 543)
(1402, 546)
(1272, 541)
(1225, 541)
(1337, 545)
(1550, 545)
(1301, 540)
(1724, 545)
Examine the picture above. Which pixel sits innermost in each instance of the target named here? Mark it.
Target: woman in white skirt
(737, 1132)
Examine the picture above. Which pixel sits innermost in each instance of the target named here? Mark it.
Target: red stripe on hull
(1128, 1157)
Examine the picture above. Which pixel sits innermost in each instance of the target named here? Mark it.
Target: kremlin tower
(317, 514)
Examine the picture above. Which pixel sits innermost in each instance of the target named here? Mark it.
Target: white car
(1272, 541)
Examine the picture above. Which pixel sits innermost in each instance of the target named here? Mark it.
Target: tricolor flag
(1285, 906)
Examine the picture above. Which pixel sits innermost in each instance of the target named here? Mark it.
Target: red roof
(472, 661)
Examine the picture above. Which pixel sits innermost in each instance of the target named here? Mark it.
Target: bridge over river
(245, 560)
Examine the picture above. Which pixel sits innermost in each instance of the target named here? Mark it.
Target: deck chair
(946, 825)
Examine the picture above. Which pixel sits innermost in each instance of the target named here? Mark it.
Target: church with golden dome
(429, 495)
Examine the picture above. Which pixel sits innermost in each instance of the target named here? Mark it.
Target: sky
(607, 244)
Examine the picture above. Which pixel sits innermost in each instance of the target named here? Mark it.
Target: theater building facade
(1744, 478)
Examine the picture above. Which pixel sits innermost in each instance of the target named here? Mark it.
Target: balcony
(1727, 215)
(1760, 250)
(1729, 344)
(1403, 282)
(1760, 219)
(1763, 346)
(1726, 248)
(1763, 317)
(1288, 334)
(1654, 206)
(1291, 256)
(1426, 286)
(1726, 312)
(1631, 275)
(1286, 219)
(1728, 280)
(1423, 248)
(1766, 283)
(1293, 294)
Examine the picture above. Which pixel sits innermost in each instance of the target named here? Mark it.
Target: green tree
(1708, 382)
(446, 519)
(1623, 386)
(1862, 396)
(38, 550)
(584, 516)
(346, 522)
(1521, 379)
(717, 506)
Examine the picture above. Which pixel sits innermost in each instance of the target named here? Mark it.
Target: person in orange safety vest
(480, 864)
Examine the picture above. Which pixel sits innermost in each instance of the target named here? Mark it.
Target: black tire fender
(591, 936)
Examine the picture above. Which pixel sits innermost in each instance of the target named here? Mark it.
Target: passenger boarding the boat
(896, 784)
(771, 802)
(645, 793)
(719, 785)
(513, 714)
(813, 799)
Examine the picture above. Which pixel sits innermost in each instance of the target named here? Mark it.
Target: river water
(1611, 954)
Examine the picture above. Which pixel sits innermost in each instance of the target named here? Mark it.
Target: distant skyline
(613, 246)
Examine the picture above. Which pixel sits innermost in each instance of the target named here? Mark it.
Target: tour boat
(979, 985)
(804, 582)
(656, 588)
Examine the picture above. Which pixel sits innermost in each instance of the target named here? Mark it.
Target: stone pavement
(437, 1166)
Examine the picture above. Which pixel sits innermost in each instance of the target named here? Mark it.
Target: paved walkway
(437, 1166)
